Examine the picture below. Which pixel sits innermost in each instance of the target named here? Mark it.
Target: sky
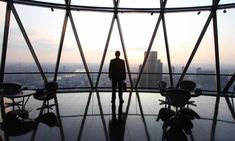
(44, 29)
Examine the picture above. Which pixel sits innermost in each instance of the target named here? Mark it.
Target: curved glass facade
(73, 41)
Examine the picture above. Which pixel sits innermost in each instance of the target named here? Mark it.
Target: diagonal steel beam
(80, 48)
(105, 51)
(102, 115)
(106, 45)
(166, 43)
(124, 51)
(28, 42)
(5, 41)
(61, 43)
(225, 90)
(84, 116)
(142, 115)
(197, 44)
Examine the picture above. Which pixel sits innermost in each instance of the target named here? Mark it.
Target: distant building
(205, 81)
(152, 71)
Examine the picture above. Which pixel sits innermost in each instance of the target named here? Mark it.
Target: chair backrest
(162, 87)
(187, 85)
(51, 89)
(10, 88)
(177, 97)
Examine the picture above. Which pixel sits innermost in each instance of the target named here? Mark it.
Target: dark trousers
(114, 87)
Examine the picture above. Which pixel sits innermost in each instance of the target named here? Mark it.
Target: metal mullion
(217, 60)
(166, 42)
(107, 44)
(80, 48)
(196, 47)
(124, 50)
(105, 51)
(84, 117)
(5, 41)
(61, 45)
(28, 42)
(102, 116)
(142, 115)
(122, 10)
(217, 64)
(227, 86)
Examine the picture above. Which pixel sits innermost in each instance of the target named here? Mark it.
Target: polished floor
(88, 117)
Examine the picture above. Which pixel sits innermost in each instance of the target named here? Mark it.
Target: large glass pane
(72, 73)
(226, 1)
(226, 44)
(93, 30)
(183, 30)
(101, 3)
(2, 21)
(137, 31)
(20, 66)
(188, 3)
(140, 4)
(114, 45)
(44, 33)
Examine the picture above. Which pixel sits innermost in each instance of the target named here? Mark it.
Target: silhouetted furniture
(190, 86)
(13, 125)
(177, 98)
(162, 89)
(46, 95)
(1, 103)
(48, 118)
(177, 128)
(23, 95)
(11, 89)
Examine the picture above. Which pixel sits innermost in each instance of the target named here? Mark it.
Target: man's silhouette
(117, 73)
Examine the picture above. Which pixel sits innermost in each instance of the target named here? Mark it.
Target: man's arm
(110, 70)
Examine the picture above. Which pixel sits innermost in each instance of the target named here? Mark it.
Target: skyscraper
(152, 71)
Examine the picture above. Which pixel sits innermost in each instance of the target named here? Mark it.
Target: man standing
(117, 73)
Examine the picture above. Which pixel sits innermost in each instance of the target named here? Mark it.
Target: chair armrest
(198, 92)
(24, 88)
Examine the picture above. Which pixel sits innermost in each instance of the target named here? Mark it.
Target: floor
(88, 117)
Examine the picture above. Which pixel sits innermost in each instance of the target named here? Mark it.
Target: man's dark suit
(117, 73)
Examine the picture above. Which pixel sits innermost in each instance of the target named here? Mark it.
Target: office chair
(177, 98)
(190, 85)
(46, 95)
(162, 88)
(10, 89)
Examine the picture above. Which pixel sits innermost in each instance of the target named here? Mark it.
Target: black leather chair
(177, 98)
(190, 86)
(162, 89)
(47, 94)
(13, 125)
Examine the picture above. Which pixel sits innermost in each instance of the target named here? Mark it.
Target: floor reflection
(117, 124)
(13, 125)
(177, 126)
(92, 116)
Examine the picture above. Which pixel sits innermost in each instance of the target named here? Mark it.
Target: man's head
(117, 54)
